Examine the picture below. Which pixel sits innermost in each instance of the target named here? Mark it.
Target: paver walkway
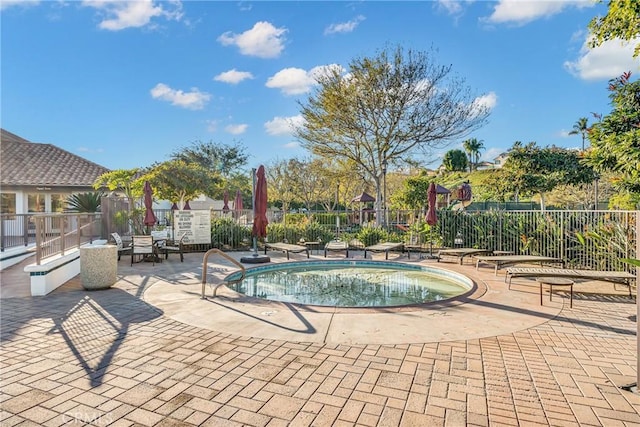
(111, 358)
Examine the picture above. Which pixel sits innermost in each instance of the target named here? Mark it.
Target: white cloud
(194, 100)
(488, 101)
(292, 144)
(291, 81)
(233, 76)
(452, 7)
(606, 61)
(521, 12)
(263, 40)
(134, 14)
(236, 129)
(212, 126)
(344, 27)
(283, 125)
(5, 4)
(295, 81)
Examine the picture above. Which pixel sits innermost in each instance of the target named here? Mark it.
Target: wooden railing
(57, 234)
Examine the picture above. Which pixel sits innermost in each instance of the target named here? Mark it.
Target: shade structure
(186, 206)
(363, 198)
(149, 216)
(432, 194)
(174, 207)
(260, 205)
(225, 199)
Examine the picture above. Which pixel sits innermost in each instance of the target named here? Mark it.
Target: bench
(286, 248)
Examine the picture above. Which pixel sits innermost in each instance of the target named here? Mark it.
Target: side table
(556, 281)
(312, 245)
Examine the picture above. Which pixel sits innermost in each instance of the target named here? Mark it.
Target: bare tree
(385, 109)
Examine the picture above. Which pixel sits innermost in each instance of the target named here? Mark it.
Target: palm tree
(581, 127)
(84, 202)
(472, 147)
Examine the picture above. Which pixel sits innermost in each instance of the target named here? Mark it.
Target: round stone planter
(98, 266)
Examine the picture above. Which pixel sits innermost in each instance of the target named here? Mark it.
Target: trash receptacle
(98, 266)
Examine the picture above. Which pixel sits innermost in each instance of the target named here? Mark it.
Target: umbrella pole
(253, 206)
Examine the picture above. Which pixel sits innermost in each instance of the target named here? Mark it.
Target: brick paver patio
(110, 358)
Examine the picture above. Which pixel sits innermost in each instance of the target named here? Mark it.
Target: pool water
(351, 284)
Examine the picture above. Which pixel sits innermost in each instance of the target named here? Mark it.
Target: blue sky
(124, 84)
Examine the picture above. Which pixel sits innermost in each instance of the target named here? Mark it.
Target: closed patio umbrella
(260, 205)
(225, 199)
(149, 216)
(237, 204)
(432, 216)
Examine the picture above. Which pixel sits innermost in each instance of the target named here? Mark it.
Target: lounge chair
(461, 253)
(336, 246)
(500, 261)
(122, 248)
(385, 247)
(286, 247)
(622, 277)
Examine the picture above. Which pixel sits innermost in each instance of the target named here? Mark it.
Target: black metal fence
(584, 239)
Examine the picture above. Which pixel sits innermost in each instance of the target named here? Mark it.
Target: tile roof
(29, 163)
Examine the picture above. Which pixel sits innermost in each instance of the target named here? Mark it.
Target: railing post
(39, 239)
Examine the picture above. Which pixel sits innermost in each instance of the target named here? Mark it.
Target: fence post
(39, 239)
(637, 214)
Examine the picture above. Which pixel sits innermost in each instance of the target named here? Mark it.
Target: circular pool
(350, 283)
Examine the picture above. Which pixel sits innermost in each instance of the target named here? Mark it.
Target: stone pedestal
(98, 266)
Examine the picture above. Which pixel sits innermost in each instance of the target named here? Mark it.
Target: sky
(126, 83)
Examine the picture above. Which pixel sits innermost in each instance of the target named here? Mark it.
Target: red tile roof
(29, 163)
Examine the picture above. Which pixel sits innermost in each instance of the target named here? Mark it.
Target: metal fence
(584, 239)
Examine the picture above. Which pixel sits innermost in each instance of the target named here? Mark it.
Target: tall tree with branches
(385, 108)
(581, 127)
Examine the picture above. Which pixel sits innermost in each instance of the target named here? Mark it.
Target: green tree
(472, 147)
(455, 160)
(622, 21)
(533, 170)
(615, 140)
(581, 128)
(122, 180)
(385, 108)
(180, 181)
(219, 159)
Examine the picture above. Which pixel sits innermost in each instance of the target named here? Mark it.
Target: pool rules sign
(195, 224)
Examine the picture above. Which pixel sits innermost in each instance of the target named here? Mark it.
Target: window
(35, 202)
(58, 203)
(8, 203)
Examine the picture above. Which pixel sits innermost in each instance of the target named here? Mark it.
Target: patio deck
(145, 360)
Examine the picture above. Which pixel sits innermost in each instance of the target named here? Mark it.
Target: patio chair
(177, 247)
(142, 246)
(122, 248)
